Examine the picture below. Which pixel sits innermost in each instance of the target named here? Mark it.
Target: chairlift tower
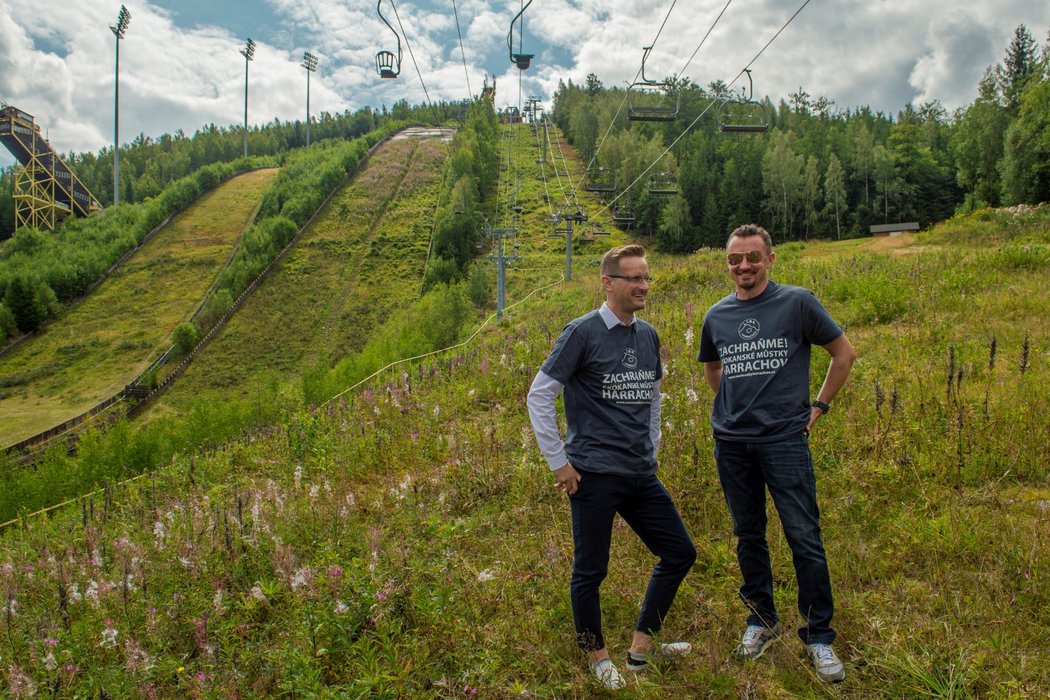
(568, 218)
(502, 259)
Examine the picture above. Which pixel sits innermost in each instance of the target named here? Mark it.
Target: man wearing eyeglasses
(608, 363)
(755, 346)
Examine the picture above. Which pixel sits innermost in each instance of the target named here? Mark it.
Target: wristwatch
(824, 407)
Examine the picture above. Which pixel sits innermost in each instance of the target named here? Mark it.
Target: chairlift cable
(461, 51)
(709, 30)
(705, 111)
(412, 55)
(625, 94)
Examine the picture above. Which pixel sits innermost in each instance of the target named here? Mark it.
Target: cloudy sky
(180, 67)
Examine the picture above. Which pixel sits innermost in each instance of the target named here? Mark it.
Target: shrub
(185, 338)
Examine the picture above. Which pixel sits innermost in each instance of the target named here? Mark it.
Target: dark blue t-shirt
(764, 346)
(609, 376)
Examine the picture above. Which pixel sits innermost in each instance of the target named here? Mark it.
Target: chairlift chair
(521, 60)
(623, 214)
(650, 100)
(599, 180)
(663, 184)
(744, 115)
(387, 64)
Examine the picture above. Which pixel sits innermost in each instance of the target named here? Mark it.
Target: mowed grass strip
(104, 342)
(336, 284)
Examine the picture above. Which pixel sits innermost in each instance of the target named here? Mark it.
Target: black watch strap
(824, 407)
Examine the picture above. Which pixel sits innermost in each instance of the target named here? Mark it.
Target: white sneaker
(637, 662)
(608, 675)
(826, 661)
(755, 640)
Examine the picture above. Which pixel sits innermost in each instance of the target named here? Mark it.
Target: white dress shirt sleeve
(544, 391)
(654, 418)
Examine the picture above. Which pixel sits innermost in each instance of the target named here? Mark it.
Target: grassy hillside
(104, 342)
(404, 540)
(363, 253)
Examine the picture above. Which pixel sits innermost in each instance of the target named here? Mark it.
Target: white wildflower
(109, 637)
(341, 607)
(486, 575)
(299, 579)
(690, 394)
(216, 601)
(258, 594)
(298, 475)
(689, 337)
(74, 593)
(11, 607)
(92, 593)
(49, 661)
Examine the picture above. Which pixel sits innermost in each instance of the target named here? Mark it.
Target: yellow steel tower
(46, 190)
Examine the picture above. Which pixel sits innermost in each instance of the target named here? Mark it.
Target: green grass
(363, 253)
(105, 341)
(405, 540)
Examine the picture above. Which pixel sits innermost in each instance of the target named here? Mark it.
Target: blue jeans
(646, 507)
(746, 470)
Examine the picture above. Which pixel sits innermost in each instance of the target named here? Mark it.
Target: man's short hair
(748, 230)
(611, 259)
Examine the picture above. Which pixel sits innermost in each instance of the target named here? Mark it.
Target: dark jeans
(786, 469)
(645, 505)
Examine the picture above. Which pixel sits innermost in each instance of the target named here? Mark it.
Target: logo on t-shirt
(630, 358)
(749, 329)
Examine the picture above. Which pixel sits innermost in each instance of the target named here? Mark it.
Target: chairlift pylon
(521, 60)
(649, 100)
(387, 64)
(744, 115)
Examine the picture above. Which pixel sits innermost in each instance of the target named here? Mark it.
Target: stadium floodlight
(123, 19)
(249, 53)
(310, 64)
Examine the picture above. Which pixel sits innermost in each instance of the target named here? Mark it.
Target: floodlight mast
(123, 19)
(249, 53)
(310, 64)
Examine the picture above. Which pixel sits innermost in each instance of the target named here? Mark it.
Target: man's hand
(568, 479)
(814, 415)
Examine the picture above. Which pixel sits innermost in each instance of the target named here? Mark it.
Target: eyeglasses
(753, 256)
(633, 279)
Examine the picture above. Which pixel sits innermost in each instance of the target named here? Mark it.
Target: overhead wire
(706, 110)
(411, 54)
(462, 52)
(619, 109)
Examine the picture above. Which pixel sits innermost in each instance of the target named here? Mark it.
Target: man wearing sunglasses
(608, 362)
(755, 346)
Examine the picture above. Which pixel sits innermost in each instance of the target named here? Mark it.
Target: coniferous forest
(819, 170)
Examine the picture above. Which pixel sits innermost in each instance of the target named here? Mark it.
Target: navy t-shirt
(609, 376)
(764, 346)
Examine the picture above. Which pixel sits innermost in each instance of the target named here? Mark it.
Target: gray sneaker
(826, 661)
(755, 640)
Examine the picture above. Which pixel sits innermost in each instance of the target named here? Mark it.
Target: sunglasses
(753, 256)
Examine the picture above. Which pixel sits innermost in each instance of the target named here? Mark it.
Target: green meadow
(105, 341)
(404, 539)
(364, 252)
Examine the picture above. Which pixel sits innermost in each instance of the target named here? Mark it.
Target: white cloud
(178, 72)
